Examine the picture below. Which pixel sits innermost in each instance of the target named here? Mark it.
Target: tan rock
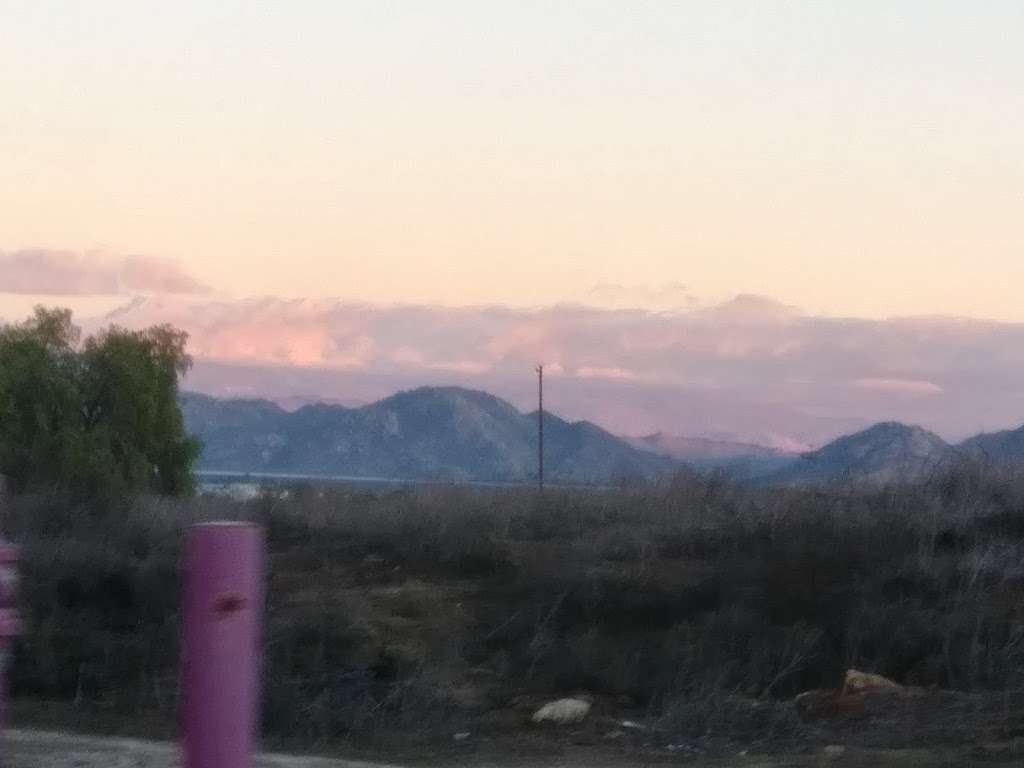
(867, 682)
(563, 711)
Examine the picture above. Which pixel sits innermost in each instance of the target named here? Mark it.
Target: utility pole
(540, 427)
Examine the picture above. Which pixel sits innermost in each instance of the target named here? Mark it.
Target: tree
(99, 419)
(40, 423)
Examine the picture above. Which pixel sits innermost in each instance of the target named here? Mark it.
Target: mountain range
(892, 452)
(744, 460)
(883, 453)
(455, 434)
(430, 433)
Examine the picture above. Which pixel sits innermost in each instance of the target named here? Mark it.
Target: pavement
(45, 749)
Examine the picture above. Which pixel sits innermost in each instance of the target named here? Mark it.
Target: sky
(854, 161)
(859, 159)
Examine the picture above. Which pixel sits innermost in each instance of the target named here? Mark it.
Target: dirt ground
(44, 749)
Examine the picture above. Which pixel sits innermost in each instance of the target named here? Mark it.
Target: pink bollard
(9, 621)
(223, 595)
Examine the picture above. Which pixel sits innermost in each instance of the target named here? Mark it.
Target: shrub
(99, 419)
(703, 603)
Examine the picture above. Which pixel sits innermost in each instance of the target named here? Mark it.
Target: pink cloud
(44, 272)
(605, 372)
(908, 386)
(460, 366)
(751, 369)
(530, 338)
(294, 333)
(154, 275)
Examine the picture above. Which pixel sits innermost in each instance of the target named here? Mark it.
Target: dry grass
(698, 608)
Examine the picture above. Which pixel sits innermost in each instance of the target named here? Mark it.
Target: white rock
(866, 682)
(563, 711)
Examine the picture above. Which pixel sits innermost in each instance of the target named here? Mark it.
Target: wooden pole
(540, 427)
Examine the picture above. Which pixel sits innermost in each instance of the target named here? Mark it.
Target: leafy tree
(99, 419)
(40, 424)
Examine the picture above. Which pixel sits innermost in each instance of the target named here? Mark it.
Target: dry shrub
(704, 603)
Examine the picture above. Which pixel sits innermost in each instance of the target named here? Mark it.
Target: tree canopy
(98, 418)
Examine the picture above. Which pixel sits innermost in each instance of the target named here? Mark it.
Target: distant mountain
(744, 460)
(886, 452)
(450, 433)
(1001, 449)
(294, 402)
(446, 433)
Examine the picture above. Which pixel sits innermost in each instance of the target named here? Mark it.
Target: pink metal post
(223, 606)
(9, 623)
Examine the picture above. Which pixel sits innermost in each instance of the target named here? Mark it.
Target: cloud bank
(43, 272)
(749, 369)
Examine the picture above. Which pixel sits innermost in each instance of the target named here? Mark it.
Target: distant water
(248, 485)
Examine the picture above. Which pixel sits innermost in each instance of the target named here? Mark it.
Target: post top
(8, 552)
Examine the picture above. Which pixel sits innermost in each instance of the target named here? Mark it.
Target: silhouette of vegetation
(698, 608)
(97, 419)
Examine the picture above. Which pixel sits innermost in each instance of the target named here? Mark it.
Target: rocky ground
(867, 721)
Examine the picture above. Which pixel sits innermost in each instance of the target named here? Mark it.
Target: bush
(702, 603)
(100, 419)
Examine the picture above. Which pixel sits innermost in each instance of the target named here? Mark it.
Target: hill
(451, 433)
(430, 433)
(742, 460)
(883, 453)
(1001, 449)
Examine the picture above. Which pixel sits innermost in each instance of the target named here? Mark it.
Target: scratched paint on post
(10, 623)
(228, 605)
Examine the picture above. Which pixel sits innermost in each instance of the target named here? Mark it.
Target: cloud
(44, 272)
(907, 386)
(749, 369)
(605, 372)
(674, 296)
(154, 275)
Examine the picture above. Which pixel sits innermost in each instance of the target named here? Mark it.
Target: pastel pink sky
(750, 368)
(854, 159)
(761, 220)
